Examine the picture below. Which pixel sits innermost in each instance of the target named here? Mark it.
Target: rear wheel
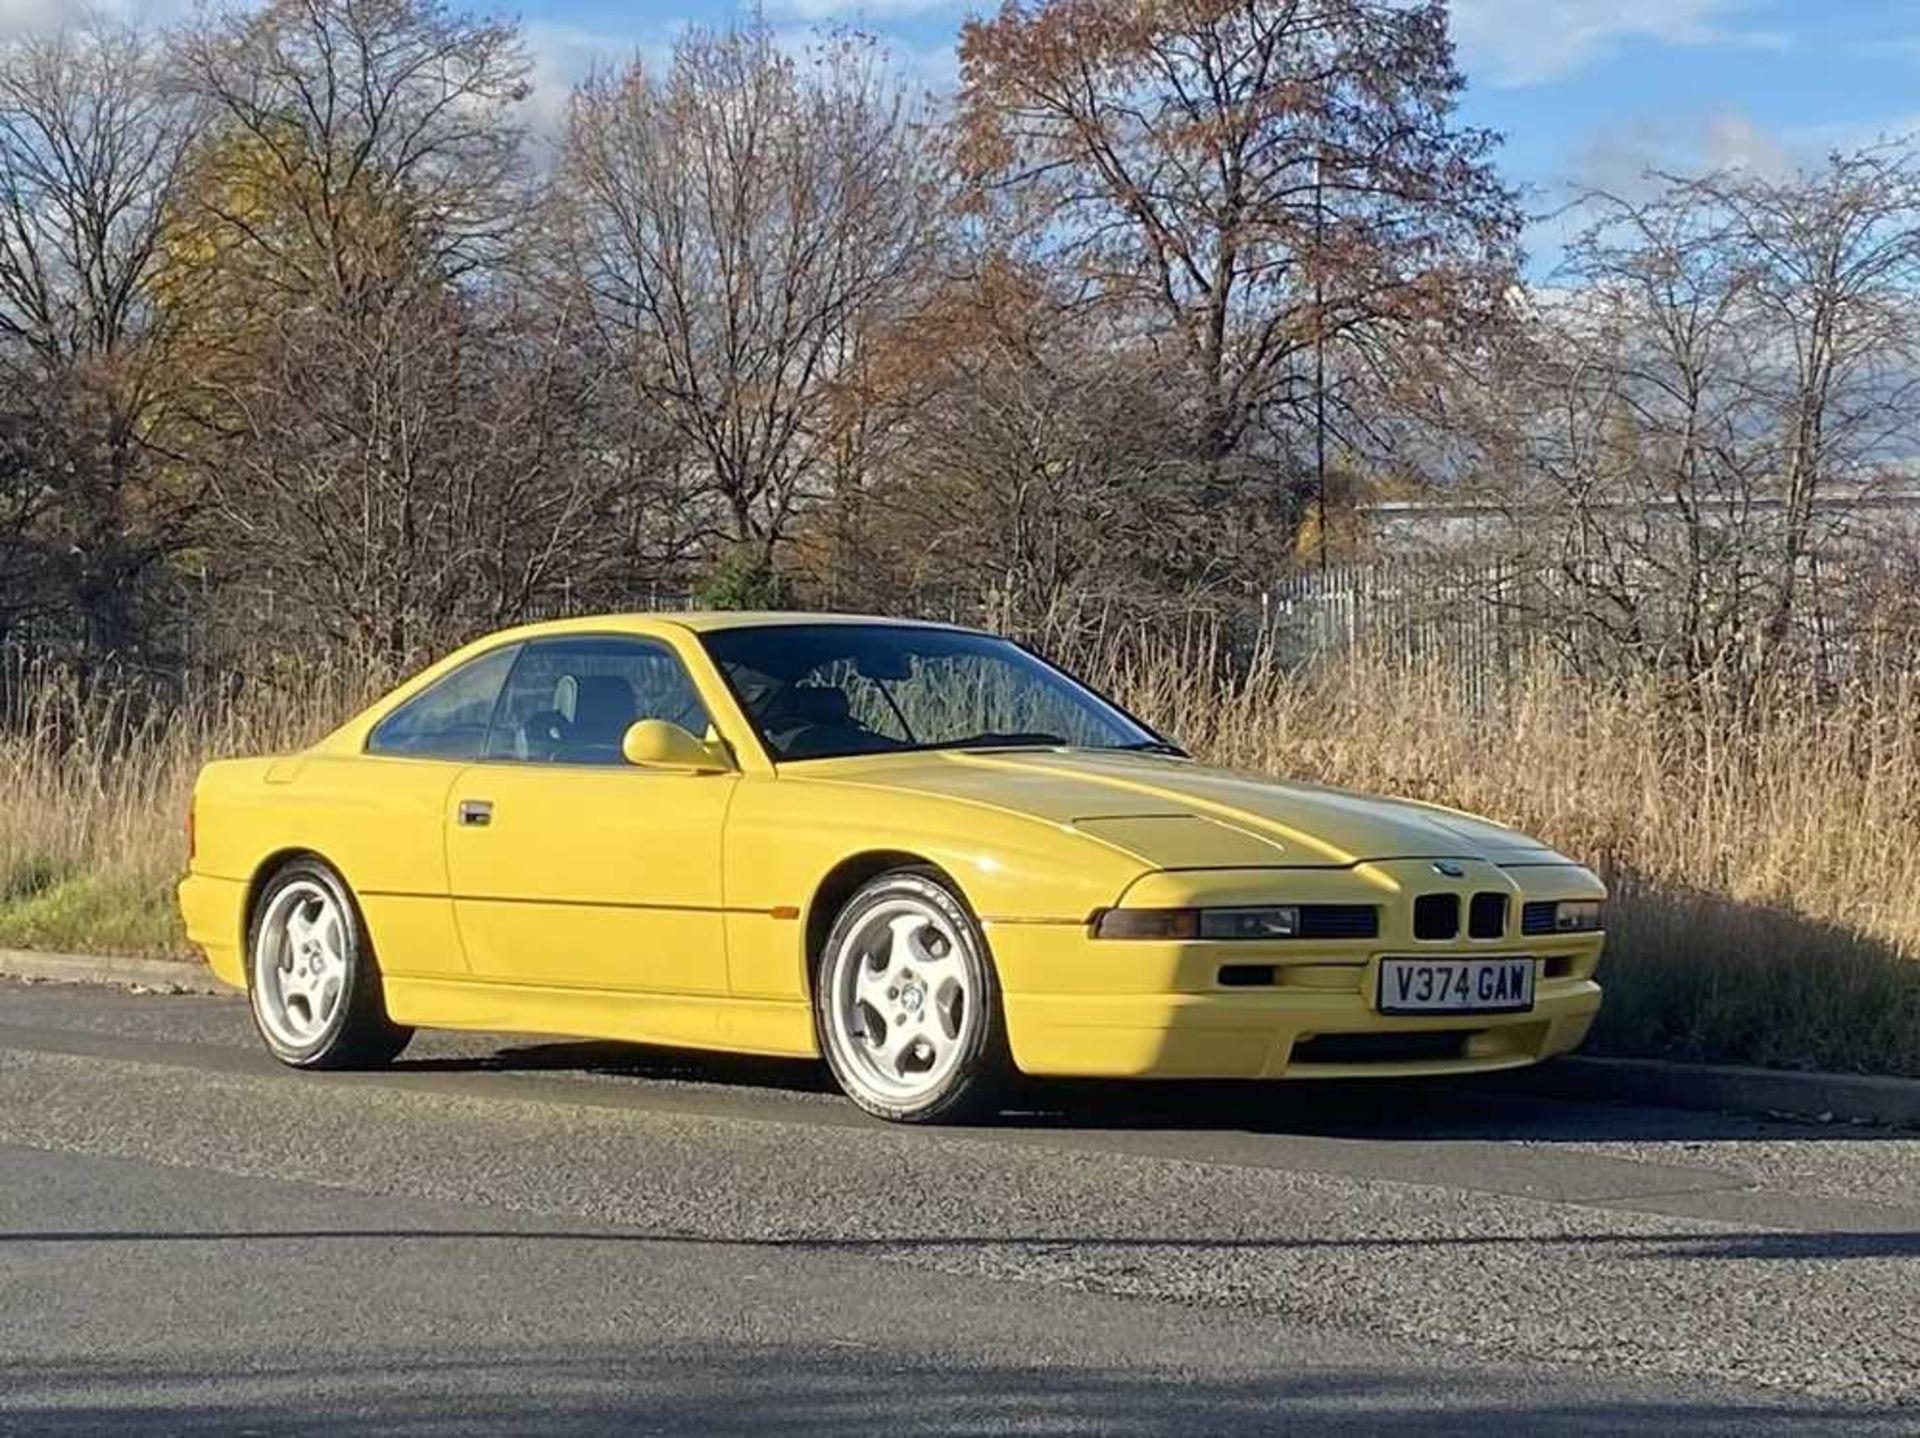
(311, 976)
(906, 1003)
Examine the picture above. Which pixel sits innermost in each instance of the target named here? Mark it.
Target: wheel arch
(263, 873)
(843, 881)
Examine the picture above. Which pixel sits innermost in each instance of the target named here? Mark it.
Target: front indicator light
(1576, 916)
(1267, 922)
(1147, 924)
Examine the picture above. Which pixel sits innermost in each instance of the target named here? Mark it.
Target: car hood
(1172, 813)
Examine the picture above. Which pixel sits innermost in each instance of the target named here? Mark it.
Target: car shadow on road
(1795, 1246)
(820, 1388)
(636, 1061)
(1492, 1107)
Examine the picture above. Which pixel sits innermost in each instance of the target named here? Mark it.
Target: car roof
(702, 621)
(707, 621)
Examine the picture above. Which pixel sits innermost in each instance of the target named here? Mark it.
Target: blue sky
(1595, 91)
(1586, 91)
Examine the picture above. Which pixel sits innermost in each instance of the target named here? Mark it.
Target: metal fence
(1405, 610)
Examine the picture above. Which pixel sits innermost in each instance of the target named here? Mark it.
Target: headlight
(1576, 916)
(1280, 921)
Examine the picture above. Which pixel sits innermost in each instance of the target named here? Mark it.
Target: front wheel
(906, 1004)
(311, 975)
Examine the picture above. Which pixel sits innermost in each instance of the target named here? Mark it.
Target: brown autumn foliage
(1245, 182)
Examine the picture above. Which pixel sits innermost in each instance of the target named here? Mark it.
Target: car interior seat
(809, 719)
(598, 709)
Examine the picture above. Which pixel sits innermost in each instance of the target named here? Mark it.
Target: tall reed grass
(96, 771)
(1764, 851)
(1765, 856)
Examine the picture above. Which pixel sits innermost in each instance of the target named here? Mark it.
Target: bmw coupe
(917, 850)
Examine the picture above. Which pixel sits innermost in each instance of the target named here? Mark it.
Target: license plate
(1456, 986)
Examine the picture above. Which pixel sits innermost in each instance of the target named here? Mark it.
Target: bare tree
(1729, 363)
(403, 483)
(1830, 261)
(735, 223)
(356, 142)
(382, 426)
(90, 150)
(1652, 455)
(30, 589)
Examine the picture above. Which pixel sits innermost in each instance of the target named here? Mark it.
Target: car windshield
(819, 691)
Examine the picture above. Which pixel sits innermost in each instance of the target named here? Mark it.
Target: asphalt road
(524, 1236)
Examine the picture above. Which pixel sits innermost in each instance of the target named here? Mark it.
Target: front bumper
(1080, 1007)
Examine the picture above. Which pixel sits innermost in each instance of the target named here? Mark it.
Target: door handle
(476, 813)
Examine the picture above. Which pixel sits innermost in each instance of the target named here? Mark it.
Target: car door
(570, 867)
(380, 816)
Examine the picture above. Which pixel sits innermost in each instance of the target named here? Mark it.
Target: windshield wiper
(1021, 739)
(1153, 746)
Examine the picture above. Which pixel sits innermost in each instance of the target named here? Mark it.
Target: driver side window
(571, 700)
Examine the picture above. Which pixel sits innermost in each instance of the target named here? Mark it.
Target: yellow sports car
(915, 849)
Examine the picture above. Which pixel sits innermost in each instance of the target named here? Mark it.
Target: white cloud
(564, 55)
(1528, 42)
(1619, 159)
(1630, 156)
(19, 17)
(46, 17)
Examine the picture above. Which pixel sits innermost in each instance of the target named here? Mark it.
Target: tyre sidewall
(967, 1086)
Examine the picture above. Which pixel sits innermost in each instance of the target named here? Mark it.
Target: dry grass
(1765, 859)
(1766, 865)
(94, 780)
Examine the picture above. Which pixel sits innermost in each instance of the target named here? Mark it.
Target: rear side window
(449, 719)
(571, 700)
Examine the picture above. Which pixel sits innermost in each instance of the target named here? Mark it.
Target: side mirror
(656, 744)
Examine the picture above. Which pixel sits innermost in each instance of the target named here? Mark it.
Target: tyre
(906, 1004)
(311, 974)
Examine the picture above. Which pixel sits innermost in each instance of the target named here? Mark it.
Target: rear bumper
(212, 908)
(1160, 1013)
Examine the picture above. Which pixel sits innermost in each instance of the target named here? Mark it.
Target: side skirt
(699, 1021)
